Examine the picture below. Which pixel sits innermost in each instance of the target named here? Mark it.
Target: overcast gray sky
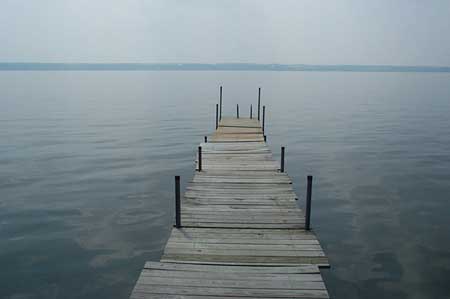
(398, 32)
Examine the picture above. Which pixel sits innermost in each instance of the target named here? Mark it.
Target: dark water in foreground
(87, 161)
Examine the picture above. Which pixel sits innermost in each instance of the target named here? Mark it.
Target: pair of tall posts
(219, 111)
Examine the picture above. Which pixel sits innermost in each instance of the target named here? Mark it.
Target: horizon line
(229, 66)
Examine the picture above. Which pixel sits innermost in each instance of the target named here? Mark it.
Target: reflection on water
(87, 161)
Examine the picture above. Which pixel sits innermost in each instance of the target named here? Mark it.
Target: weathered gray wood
(142, 290)
(240, 252)
(241, 225)
(253, 215)
(283, 198)
(246, 233)
(232, 269)
(238, 203)
(216, 275)
(177, 296)
(205, 209)
(240, 241)
(222, 246)
(245, 259)
(205, 239)
(252, 262)
(249, 216)
(239, 123)
(242, 220)
(228, 283)
(243, 235)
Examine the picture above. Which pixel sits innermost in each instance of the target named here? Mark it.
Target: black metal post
(217, 116)
(237, 110)
(206, 139)
(265, 138)
(264, 119)
(199, 158)
(177, 202)
(220, 114)
(259, 102)
(251, 111)
(308, 203)
(282, 159)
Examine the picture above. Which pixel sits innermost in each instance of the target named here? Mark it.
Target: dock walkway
(242, 234)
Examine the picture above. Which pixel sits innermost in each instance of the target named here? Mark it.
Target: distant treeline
(21, 66)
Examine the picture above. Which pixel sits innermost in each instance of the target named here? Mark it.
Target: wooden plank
(228, 283)
(241, 225)
(245, 259)
(252, 214)
(243, 238)
(269, 204)
(242, 252)
(250, 218)
(141, 290)
(244, 218)
(237, 130)
(247, 231)
(239, 123)
(197, 200)
(244, 263)
(242, 241)
(235, 190)
(226, 209)
(206, 245)
(217, 275)
(174, 240)
(168, 296)
(240, 233)
(241, 181)
(233, 269)
(280, 210)
(288, 197)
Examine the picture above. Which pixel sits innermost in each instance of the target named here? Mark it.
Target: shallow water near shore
(87, 161)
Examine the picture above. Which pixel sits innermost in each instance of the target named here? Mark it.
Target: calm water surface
(87, 161)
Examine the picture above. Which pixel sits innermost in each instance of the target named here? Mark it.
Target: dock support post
(206, 139)
(217, 116)
(251, 111)
(220, 113)
(177, 202)
(259, 102)
(264, 119)
(237, 110)
(282, 159)
(308, 203)
(199, 158)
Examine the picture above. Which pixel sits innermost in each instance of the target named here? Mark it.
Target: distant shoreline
(33, 66)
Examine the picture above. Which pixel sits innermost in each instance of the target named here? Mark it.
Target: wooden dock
(242, 234)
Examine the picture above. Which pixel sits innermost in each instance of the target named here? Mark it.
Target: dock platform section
(242, 234)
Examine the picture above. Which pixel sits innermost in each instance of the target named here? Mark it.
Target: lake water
(87, 161)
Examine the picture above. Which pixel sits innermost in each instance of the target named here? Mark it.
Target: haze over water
(87, 161)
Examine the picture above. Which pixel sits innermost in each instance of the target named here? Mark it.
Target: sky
(375, 32)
